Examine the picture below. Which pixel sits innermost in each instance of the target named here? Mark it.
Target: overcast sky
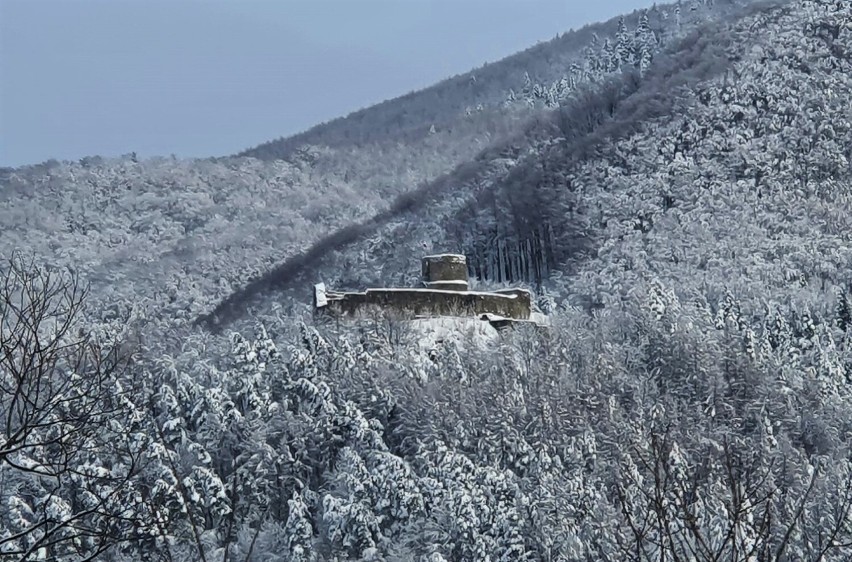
(208, 78)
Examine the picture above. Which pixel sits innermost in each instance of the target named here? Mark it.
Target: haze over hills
(674, 186)
(220, 80)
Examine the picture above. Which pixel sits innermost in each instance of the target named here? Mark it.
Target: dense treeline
(659, 430)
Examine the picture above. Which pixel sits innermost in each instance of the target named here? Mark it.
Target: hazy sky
(205, 78)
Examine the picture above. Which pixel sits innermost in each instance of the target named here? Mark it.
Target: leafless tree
(67, 453)
(667, 516)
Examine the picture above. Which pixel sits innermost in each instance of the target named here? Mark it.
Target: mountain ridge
(493, 82)
(177, 230)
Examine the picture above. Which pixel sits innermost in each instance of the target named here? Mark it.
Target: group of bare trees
(67, 459)
(729, 506)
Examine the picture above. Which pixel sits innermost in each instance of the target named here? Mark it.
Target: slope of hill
(513, 215)
(525, 78)
(687, 225)
(692, 401)
(180, 236)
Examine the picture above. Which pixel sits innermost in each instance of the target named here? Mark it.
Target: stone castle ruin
(445, 293)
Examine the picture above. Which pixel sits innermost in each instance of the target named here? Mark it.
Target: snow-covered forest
(673, 185)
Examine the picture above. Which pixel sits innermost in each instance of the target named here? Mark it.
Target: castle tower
(447, 272)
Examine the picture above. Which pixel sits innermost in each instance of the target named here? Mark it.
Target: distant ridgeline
(445, 294)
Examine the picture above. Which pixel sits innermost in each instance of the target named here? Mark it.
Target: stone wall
(428, 302)
(445, 277)
(446, 272)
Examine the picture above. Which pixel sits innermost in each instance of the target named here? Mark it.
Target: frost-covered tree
(70, 442)
(623, 42)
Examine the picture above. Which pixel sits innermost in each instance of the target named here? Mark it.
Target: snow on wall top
(447, 257)
(440, 291)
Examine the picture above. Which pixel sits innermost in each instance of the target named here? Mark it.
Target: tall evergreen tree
(623, 44)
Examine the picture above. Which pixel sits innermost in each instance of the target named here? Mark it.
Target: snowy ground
(431, 332)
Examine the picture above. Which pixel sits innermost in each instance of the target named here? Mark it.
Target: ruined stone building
(445, 292)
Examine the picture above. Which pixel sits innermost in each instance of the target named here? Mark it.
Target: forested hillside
(172, 238)
(683, 218)
(728, 161)
(542, 75)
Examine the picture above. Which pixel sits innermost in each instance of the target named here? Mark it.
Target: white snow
(320, 292)
(492, 317)
(447, 282)
(441, 291)
(540, 318)
(432, 331)
(459, 257)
